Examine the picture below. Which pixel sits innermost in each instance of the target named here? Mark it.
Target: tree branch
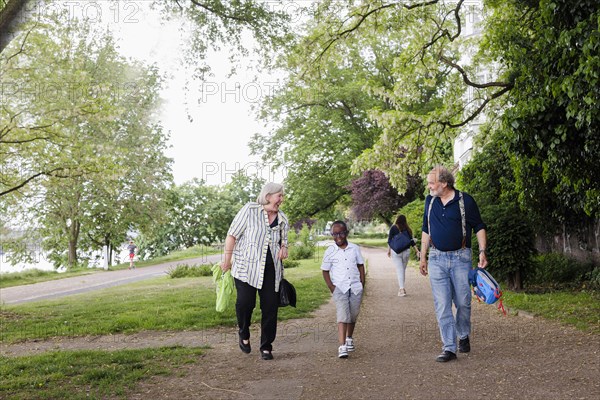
(363, 17)
(480, 108)
(468, 81)
(222, 14)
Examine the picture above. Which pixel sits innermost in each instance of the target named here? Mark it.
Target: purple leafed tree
(374, 197)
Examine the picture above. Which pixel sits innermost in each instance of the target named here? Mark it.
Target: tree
(321, 122)
(374, 197)
(552, 124)
(198, 214)
(22, 128)
(226, 23)
(92, 129)
(425, 104)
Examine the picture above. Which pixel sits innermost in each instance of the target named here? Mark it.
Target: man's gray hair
(443, 175)
(269, 188)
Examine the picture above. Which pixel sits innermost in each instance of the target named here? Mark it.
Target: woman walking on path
(255, 246)
(400, 260)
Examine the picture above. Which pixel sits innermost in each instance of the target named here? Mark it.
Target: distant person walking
(255, 246)
(449, 218)
(400, 260)
(132, 247)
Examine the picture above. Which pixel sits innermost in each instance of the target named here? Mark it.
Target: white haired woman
(255, 246)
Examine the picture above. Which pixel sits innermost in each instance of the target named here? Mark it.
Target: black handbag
(287, 294)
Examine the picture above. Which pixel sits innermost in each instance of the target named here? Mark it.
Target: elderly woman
(257, 240)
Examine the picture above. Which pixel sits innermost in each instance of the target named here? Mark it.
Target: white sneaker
(343, 351)
(402, 292)
(350, 344)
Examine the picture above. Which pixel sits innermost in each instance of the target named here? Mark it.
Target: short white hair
(269, 188)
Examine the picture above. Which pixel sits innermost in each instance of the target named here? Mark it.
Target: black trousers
(269, 306)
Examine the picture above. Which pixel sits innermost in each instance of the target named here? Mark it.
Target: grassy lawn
(35, 276)
(87, 374)
(373, 242)
(579, 309)
(158, 304)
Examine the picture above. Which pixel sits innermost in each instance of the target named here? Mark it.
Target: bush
(554, 269)
(300, 252)
(301, 246)
(593, 278)
(291, 264)
(510, 244)
(186, 271)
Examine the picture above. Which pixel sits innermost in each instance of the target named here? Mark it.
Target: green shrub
(186, 271)
(291, 264)
(553, 269)
(509, 244)
(301, 246)
(593, 278)
(300, 252)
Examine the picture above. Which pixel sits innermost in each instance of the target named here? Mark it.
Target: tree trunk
(10, 16)
(73, 238)
(515, 281)
(109, 250)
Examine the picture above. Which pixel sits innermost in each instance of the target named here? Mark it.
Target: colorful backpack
(485, 287)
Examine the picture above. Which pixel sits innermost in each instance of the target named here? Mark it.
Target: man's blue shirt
(445, 222)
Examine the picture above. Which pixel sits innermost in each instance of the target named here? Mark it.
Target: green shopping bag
(224, 283)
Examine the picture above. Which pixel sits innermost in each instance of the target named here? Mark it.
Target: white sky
(215, 144)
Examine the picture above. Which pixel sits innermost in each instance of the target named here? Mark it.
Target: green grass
(159, 304)
(87, 374)
(373, 242)
(578, 309)
(36, 276)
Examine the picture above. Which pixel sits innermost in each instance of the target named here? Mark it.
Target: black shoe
(245, 347)
(446, 356)
(266, 355)
(464, 346)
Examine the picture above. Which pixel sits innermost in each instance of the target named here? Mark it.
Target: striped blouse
(254, 236)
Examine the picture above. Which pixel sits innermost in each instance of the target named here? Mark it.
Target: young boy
(344, 272)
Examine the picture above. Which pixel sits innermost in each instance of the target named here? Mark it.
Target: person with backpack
(399, 256)
(448, 220)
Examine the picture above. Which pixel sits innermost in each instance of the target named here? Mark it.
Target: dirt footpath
(396, 344)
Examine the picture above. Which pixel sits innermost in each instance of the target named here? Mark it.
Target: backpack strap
(463, 219)
(429, 224)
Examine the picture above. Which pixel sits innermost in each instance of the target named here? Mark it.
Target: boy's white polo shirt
(342, 267)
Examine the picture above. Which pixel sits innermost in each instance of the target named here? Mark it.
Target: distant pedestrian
(132, 247)
(400, 260)
(448, 220)
(344, 273)
(255, 246)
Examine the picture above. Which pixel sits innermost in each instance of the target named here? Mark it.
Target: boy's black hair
(338, 222)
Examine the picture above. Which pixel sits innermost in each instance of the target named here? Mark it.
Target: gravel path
(397, 341)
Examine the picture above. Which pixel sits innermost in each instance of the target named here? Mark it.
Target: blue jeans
(449, 277)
